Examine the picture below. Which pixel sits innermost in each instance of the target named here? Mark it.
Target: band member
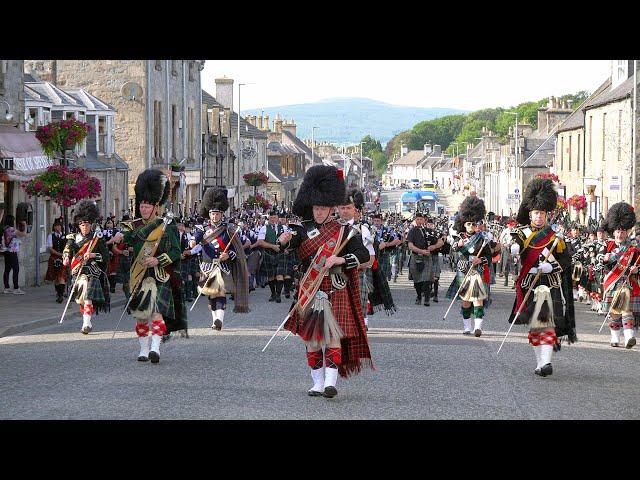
(387, 244)
(549, 308)
(328, 312)
(273, 265)
(474, 248)
(56, 271)
(87, 254)
(185, 261)
(223, 265)
(155, 272)
(114, 255)
(420, 265)
(437, 241)
(622, 291)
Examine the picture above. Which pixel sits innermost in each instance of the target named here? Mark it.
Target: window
(191, 132)
(562, 153)
(584, 168)
(619, 133)
(569, 152)
(33, 115)
(174, 131)
(604, 132)
(157, 131)
(46, 116)
(69, 115)
(590, 134)
(191, 70)
(43, 224)
(174, 68)
(158, 65)
(102, 134)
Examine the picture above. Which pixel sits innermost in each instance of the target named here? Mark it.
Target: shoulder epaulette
(70, 236)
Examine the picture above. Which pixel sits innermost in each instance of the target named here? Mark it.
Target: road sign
(615, 182)
(517, 190)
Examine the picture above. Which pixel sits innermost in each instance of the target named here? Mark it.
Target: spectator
(12, 238)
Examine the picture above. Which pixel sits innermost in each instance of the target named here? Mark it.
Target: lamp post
(7, 113)
(515, 142)
(313, 143)
(361, 165)
(239, 146)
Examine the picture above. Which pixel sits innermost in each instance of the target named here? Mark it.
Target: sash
(77, 259)
(329, 240)
(535, 243)
(138, 270)
(617, 272)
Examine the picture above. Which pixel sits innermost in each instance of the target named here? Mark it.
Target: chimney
(266, 122)
(543, 122)
(290, 127)
(224, 92)
(437, 151)
(259, 122)
(277, 124)
(569, 104)
(427, 149)
(403, 150)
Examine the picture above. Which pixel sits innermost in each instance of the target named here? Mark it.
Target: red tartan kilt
(54, 274)
(114, 264)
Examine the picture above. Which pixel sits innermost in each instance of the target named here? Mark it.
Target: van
(429, 186)
(415, 183)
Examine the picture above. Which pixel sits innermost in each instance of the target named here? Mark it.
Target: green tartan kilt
(97, 292)
(123, 271)
(291, 262)
(366, 286)
(169, 303)
(185, 268)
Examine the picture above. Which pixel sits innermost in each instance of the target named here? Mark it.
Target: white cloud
(463, 84)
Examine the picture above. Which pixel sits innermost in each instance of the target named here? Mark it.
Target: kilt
(169, 302)
(457, 282)
(185, 268)
(384, 260)
(59, 274)
(97, 291)
(436, 265)
(291, 260)
(634, 304)
(194, 265)
(366, 286)
(274, 264)
(347, 310)
(253, 262)
(426, 275)
(123, 269)
(114, 263)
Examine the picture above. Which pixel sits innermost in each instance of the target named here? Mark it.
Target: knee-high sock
(436, 283)
(615, 335)
(279, 284)
(158, 329)
(314, 360)
(426, 286)
(272, 287)
(537, 352)
(418, 286)
(142, 331)
(87, 310)
(333, 359)
(287, 285)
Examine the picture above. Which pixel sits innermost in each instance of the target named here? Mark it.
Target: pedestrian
(328, 312)
(474, 250)
(108, 232)
(224, 265)
(549, 309)
(56, 271)
(87, 255)
(155, 277)
(12, 237)
(621, 286)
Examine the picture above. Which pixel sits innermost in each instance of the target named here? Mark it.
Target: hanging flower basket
(56, 137)
(255, 179)
(177, 168)
(258, 200)
(65, 186)
(551, 176)
(577, 202)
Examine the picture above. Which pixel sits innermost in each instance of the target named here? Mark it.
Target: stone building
(158, 112)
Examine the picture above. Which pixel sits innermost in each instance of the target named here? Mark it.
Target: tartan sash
(138, 270)
(325, 245)
(616, 273)
(77, 259)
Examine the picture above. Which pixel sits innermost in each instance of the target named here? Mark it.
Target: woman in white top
(12, 238)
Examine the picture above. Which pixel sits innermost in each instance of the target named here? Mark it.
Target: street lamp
(361, 165)
(313, 129)
(239, 146)
(7, 114)
(515, 143)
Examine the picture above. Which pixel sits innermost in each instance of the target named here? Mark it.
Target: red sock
(142, 329)
(158, 327)
(333, 357)
(314, 359)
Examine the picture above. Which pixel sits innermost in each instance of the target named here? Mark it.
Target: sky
(462, 84)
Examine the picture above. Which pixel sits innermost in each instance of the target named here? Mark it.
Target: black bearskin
(539, 195)
(619, 216)
(322, 185)
(355, 196)
(86, 210)
(472, 209)
(152, 186)
(215, 198)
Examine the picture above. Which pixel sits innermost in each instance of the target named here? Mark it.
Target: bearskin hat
(152, 186)
(539, 195)
(355, 196)
(214, 198)
(620, 216)
(322, 185)
(87, 211)
(472, 209)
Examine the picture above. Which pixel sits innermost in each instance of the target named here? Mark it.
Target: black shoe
(251, 289)
(426, 303)
(477, 332)
(287, 295)
(630, 343)
(142, 358)
(278, 299)
(418, 300)
(166, 338)
(272, 298)
(59, 299)
(189, 300)
(154, 357)
(330, 392)
(217, 325)
(435, 299)
(544, 371)
(615, 345)
(313, 393)
(557, 347)
(466, 332)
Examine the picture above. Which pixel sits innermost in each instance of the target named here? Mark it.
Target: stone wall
(13, 93)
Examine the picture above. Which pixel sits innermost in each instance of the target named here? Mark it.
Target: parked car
(415, 183)
(429, 186)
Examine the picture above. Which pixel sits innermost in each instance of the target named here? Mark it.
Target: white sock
(330, 377)
(478, 324)
(393, 270)
(628, 334)
(144, 346)
(155, 343)
(86, 320)
(318, 379)
(213, 316)
(545, 354)
(220, 315)
(537, 352)
(467, 324)
(615, 336)
(366, 321)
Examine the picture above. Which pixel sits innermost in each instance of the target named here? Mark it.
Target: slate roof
(621, 91)
(576, 119)
(543, 154)
(98, 161)
(411, 158)
(301, 145)
(246, 129)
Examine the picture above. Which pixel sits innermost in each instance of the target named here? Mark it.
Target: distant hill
(350, 119)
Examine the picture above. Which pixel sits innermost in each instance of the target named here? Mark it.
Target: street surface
(425, 369)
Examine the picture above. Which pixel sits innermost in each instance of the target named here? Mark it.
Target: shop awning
(21, 157)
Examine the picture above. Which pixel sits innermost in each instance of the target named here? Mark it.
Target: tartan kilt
(457, 282)
(97, 292)
(253, 262)
(185, 268)
(123, 270)
(194, 265)
(366, 286)
(426, 275)
(114, 264)
(169, 302)
(274, 264)
(384, 261)
(291, 260)
(347, 310)
(634, 304)
(437, 264)
(55, 274)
